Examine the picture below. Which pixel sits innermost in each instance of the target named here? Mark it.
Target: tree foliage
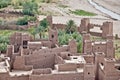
(30, 7)
(42, 28)
(64, 38)
(32, 31)
(25, 19)
(22, 21)
(71, 26)
(4, 3)
(4, 40)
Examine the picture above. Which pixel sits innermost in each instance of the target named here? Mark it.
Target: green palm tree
(71, 26)
(32, 31)
(42, 28)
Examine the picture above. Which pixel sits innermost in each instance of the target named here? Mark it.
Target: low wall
(19, 78)
(64, 76)
(59, 26)
(96, 34)
(13, 27)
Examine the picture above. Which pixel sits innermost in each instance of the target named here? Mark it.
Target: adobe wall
(4, 76)
(67, 67)
(96, 34)
(42, 71)
(53, 50)
(47, 44)
(43, 60)
(108, 71)
(89, 73)
(99, 60)
(50, 21)
(106, 46)
(89, 58)
(85, 26)
(53, 36)
(101, 74)
(73, 46)
(19, 64)
(63, 76)
(17, 39)
(22, 77)
(59, 26)
(34, 45)
(100, 47)
(107, 29)
(112, 75)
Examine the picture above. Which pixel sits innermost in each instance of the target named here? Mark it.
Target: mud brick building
(28, 59)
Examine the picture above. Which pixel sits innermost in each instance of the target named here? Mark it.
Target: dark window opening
(118, 68)
(98, 47)
(75, 58)
(52, 36)
(25, 43)
(102, 64)
(68, 54)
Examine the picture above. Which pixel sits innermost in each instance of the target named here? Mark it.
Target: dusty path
(113, 5)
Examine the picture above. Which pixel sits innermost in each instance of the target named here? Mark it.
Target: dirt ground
(113, 5)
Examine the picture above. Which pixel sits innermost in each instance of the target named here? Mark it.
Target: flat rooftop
(76, 59)
(19, 73)
(79, 70)
(3, 68)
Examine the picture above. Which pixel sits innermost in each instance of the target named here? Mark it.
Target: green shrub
(25, 19)
(4, 40)
(30, 8)
(4, 3)
(83, 13)
(3, 47)
(22, 21)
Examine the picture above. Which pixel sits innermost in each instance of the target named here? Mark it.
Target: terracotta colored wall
(44, 60)
(59, 26)
(4, 76)
(99, 48)
(67, 67)
(19, 63)
(19, 78)
(101, 74)
(89, 58)
(70, 76)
